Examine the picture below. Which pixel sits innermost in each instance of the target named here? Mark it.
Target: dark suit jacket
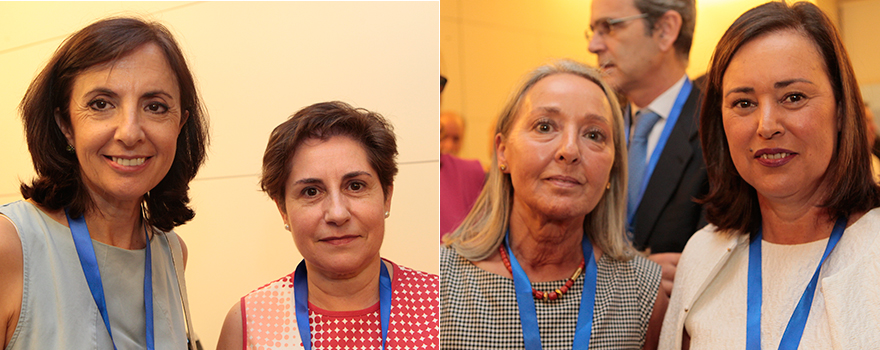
(667, 215)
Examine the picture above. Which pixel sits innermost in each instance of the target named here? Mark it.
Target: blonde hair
(482, 231)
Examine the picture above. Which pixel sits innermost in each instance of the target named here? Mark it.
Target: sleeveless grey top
(57, 308)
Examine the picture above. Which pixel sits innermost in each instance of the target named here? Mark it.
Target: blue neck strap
(86, 252)
(795, 328)
(301, 296)
(528, 315)
(661, 143)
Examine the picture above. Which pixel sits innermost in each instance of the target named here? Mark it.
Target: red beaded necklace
(537, 293)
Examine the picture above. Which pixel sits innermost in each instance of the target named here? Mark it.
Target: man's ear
(666, 29)
(65, 129)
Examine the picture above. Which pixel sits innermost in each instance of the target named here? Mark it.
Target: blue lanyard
(301, 297)
(86, 252)
(795, 328)
(664, 136)
(525, 301)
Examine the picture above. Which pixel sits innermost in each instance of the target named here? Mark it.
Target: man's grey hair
(686, 8)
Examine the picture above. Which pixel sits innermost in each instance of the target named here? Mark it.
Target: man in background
(461, 180)
(451, 132)
(642, 48)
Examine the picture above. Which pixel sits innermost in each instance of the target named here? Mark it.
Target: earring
(287, 227)
(70, 149)
(387, 214)
(503, 167)
(608, 186)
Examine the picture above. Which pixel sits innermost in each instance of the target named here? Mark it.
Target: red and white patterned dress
(269, 317)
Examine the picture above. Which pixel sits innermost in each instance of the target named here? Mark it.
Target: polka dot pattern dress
(269, 317)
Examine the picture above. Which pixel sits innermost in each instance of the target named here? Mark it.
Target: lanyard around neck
(525, 301)
(677, 107)
(301, 297)
(795, 328)
(89, 262)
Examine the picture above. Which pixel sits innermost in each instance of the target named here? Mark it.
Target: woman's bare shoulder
(231, 335)
(11, 278)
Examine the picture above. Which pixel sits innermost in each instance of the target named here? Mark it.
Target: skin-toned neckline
(347, 294)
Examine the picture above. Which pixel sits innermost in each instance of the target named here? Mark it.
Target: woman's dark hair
(59, 182)
(876, 149)
(732, 203)
(323, 121)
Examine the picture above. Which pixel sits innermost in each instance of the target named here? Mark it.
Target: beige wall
(859, 25)
(257, 63)
(487, 45)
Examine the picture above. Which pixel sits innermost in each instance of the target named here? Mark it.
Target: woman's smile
(785, 110)
(128, 162)
(124, 122)
(774, 157)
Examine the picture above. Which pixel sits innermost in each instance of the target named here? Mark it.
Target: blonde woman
(542, 260)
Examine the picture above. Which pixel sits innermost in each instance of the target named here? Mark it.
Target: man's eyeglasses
(605, 26)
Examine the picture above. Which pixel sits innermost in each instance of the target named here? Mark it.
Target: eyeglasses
(442, 83)
(605, 26)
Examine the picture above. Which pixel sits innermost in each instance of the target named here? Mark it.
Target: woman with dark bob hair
(116, 132)
(330, 170)
(542, 261)
(792, 200)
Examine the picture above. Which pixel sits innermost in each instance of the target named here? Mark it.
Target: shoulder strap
(177, 260)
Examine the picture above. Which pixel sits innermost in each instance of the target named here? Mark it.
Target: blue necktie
(638, 155)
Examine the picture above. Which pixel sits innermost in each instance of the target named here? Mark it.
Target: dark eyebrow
(155, 93)
(744, 90)
(148, 94)
(101, 91)
(777, 85)
(354, 174)
(597, 21)
(604, 20)
(308, 181)
(785, 83)
(312, 181)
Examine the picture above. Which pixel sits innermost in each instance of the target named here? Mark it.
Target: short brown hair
(323, 121)
(732, 203)
(59, 183)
